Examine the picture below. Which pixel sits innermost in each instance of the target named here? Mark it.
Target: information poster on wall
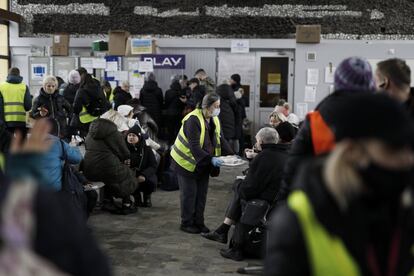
(146, 66)
(329, 74)
(111, 66)
(310, 94)
(274, 78)
(141, 46)
(240, 46)
(38, 71)
(99, 63)
(273, 89)
(63, 74)
(313, 76)
(302, 110)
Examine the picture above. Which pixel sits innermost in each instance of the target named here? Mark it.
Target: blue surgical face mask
(216, 112)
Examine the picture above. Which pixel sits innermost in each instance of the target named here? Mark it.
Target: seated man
(262, 182)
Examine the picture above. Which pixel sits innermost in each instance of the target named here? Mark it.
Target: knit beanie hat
(286, 132)
(74, 77)
(354, 73)
(136, 130)
(379, 117)
(236, 78)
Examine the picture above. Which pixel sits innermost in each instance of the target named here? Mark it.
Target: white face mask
(238, 95)
(216, 112)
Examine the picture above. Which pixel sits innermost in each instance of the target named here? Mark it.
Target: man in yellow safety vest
(15, 100)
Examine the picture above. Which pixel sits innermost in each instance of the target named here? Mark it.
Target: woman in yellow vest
(352, 213)
(194, 157)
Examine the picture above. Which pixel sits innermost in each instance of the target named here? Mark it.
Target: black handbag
(254, 211)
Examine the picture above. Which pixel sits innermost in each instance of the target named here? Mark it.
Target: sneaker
(231, 253)
(214, 236)
(203, 228)
(190, 229)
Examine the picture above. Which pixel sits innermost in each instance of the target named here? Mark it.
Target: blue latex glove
(216, 162)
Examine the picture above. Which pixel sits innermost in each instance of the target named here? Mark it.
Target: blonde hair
(278, 115)
(48, 79)
(339, 172)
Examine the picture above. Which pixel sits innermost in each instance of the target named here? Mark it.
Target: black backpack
(98, 104)
(72, 189)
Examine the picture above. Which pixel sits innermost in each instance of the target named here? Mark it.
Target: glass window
(3, 4)
(4, 66)
(4, 45)
(274, 72)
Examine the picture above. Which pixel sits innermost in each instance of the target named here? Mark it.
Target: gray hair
(268, 135)
(48, 79)
(209, 100)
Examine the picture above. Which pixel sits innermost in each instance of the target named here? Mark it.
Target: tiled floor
(150, 242)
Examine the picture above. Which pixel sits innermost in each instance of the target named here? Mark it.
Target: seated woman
(142, 161)
(106, 152)
(275, 118)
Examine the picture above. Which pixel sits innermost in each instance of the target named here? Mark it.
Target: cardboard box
(117, 42)
(60, 45)
(128, 51)
(308, 33)
(100, 46)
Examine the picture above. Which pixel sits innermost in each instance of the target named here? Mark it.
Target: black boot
(147, 200)
(138, 199)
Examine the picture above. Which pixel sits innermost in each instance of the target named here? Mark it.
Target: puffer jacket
(151, 97)
(58, 107)
(106, 151)
(70, 92)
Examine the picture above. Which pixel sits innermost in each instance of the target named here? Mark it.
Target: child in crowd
(142, 161)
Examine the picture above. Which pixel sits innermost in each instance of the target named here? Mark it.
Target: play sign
(166, 61)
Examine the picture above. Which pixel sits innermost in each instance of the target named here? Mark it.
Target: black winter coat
(302, 147)
(59, 109)
(152, 99)
(228, 112)
(121, 97)
(143, 161)
(358, 227)
(70, 92)
(61, 237)
(106, 152)
(86, 94)
(265, 173)
(173, 105)
(196, 97)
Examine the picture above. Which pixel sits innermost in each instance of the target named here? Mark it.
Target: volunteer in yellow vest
(89, 93)
(15, 100)
(352, 213)
(194, 157)
(108, 91)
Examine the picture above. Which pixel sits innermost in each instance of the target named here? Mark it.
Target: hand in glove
(216, 162)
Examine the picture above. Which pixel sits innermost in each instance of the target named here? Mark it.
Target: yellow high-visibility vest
(181, 152)
(85, 117)
(13, 101)
(327, 254)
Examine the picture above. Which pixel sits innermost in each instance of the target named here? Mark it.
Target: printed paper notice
(313, 76)
(329, 74)
(121, 75)
(302, 110)
(112, 66)
(274, 78)
(310, 94)
(240, 46)
(38, 71)
(146, 66)
(63, 74)
(273, 88)
(99, 63)
(87, 62)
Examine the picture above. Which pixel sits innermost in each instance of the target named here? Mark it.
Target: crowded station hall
(206, 138)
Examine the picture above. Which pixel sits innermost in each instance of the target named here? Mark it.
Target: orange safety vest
(323, 139)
